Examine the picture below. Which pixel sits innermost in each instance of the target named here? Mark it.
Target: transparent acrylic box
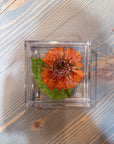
(80, 96)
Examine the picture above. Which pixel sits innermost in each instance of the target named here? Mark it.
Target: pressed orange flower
(62, 69)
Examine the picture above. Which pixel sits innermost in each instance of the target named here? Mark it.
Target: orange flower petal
(56, 53)
(69, 53)
(45, 80)
(72, 56)
(53, 55)
(69, 83)
(75, 77)
(72, 84)
(79, 73)
(52, 83)
(46, 74)
(78, 65)
(59, 85)
(48, 61)
(76, 58)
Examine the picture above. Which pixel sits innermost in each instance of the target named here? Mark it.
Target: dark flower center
(61, 68)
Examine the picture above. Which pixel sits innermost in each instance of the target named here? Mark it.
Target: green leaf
(53, 94)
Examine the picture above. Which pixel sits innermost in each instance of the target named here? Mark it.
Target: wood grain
(66, 20)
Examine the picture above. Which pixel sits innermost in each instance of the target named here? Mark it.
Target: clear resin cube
(80, 96)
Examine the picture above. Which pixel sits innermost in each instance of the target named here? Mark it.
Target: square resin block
(80, 96)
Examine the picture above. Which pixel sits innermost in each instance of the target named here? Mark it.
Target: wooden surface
(65, 20)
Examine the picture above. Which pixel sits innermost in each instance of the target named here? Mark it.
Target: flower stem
(67, 93)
